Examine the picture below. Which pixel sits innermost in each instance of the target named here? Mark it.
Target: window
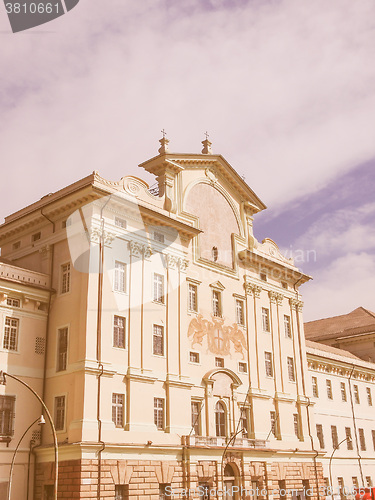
(120, 277)
(216, 303)
(282, 489)
(356, 394)
(343, 392)
(287, 328)
(62, 349)
(159, 413)
(192, 297)
(220, 416)
(244, 422)
(348, 434)
(195, 417)
(335, 440)
(49, 492)
(120, 222)
(268, 364)
(7, 404)
(121, 491)
(194, 357)
(355, 482)
(164, 493)
(10, 341)
(319, 433)
(159, 288)
(263, 276)
(13, 302)
(219, 362)
(36, 236)
(265, 319)
(291, 373)
(242, 367)
(118, 409)
(273, 422)
(16, 245)
(215, 254)
(119, 332)
(306, 488)
(368, 482)
(362, 440)
(159, 237)
(340, 482)
(158, 340)
(296, 424)
(315, 387)
(65, 278)
(60, 413)
(204, 491)
(240, 316)
(329, 389)
(369, 396)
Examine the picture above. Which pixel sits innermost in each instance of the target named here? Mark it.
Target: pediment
(217, 285)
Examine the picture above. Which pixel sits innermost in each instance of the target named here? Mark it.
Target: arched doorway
(220, 419)
(230, 480)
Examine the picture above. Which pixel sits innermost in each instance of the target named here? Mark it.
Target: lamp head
(3, 380)
(42, 420)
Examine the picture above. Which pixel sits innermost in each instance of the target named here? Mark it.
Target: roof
(355, 323)
(331, 350)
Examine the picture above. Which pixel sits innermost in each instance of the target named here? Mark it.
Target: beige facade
(170, 329)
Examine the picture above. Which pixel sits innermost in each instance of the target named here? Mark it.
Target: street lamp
(3, 381)
(348, 439)
(40, 420)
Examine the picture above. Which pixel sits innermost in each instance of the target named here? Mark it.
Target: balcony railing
(215, 441)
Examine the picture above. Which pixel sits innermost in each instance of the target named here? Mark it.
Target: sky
(286, 90)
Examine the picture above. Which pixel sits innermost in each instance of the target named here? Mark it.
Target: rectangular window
(119, 332)
(340, 482)
(296, 424)
(120, 222)
(219, 362)
(265, 319)
(368, 482)
(244, 422)
(343, 392)
(194, 357)
(121, 491)
(355, 482)
(13, 302)
(335, 440)
(369, 396)
(120, 277)
(319, 433)
(118, 401)
(159, 413)
(62, 349)
(356, 394)
(216, 303)
(291, 373)
(195, 417)
(36, 236)
(7, 404)
(282, 489)
(158, 340)
(159, 288)
(329, 389)
(240, 316)
(164, 493)
(242, 367)
(10, 340)
(158, 236)
(192, 297)
(362, 440)
(268, 364)
(315, 387)
(287, 327)
(273, 422)
(65, 278)
(204, 490)
(348, 434)
(60, 413)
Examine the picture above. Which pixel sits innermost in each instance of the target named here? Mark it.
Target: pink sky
(285, 89)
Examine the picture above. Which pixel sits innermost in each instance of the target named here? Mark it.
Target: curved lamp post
(330, 460)
(3, 376)
(39, 420)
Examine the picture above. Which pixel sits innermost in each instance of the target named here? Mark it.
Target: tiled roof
(355, 323)
(331, 350)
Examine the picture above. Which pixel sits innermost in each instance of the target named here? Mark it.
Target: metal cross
(207, 136)
(164, 133)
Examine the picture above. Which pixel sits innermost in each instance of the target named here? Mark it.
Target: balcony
(221, 442)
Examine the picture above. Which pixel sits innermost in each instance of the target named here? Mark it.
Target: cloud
(285, 89)
(347, 283)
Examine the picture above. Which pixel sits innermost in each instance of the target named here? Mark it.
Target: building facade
(176, 358)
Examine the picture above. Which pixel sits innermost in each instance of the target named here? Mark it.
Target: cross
(164, 133)
(219, 339)
(207, 136)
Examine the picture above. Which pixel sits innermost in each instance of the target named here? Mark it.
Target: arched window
(228, 471)
(220, 417)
